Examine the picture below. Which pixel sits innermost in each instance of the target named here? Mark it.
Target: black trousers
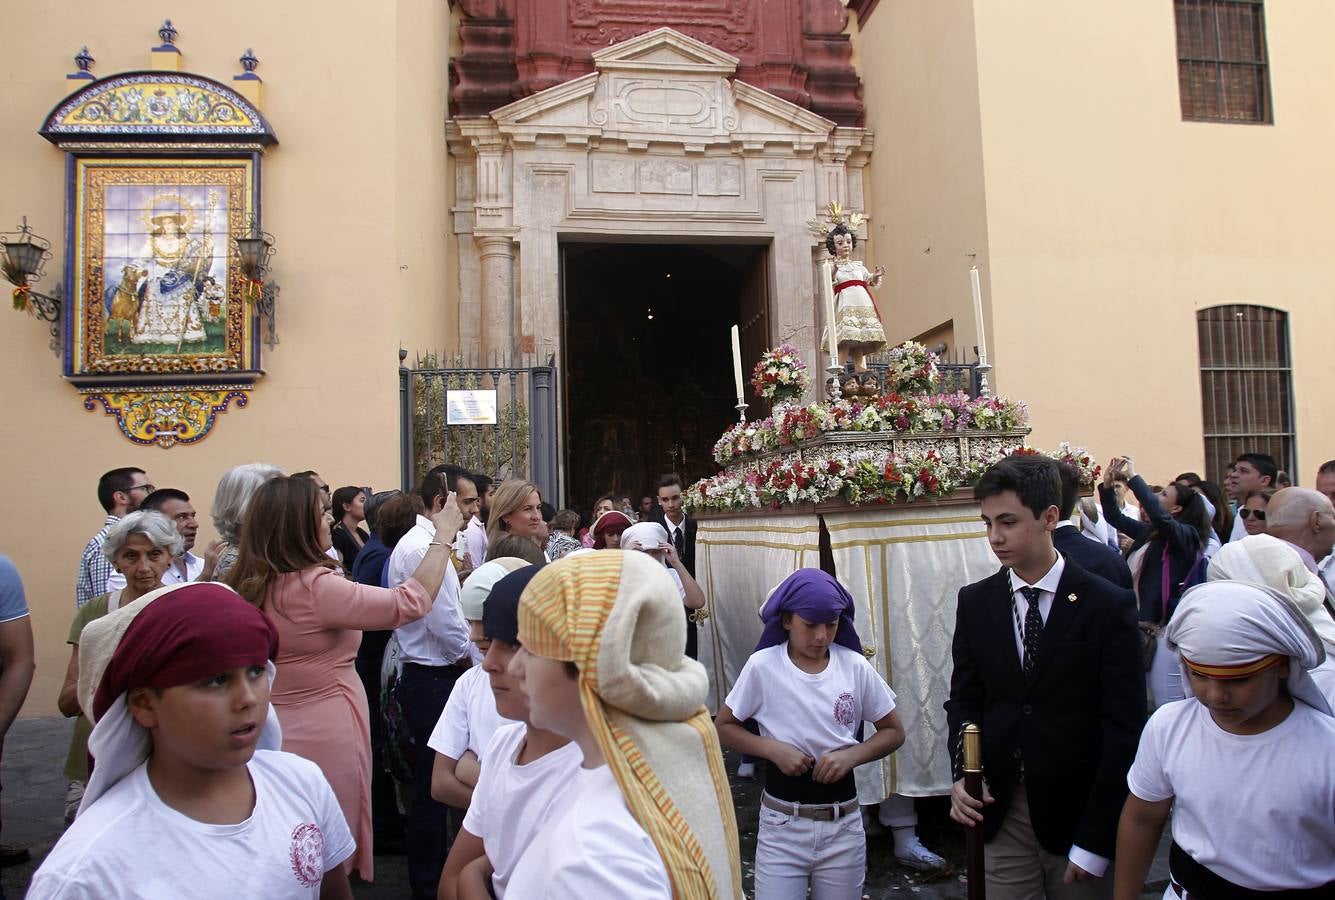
(386, 822)
(422, 692)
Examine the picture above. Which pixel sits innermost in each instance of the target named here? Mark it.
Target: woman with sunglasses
(1253, 509)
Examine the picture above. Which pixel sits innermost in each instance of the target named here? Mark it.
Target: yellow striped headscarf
(617, 616)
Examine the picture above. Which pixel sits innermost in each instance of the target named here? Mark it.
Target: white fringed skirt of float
(904, 563)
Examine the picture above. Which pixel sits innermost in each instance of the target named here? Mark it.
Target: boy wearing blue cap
(810, 688)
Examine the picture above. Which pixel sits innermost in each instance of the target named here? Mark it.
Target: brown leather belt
(820, 812)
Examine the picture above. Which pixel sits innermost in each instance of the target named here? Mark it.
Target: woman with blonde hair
(283, 569)
(516, 508)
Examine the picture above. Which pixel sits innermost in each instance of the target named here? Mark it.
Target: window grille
(1246, 385)
(1222, 69)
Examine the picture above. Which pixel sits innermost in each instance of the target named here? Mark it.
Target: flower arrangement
(1077, 457)
(912, 368)
(858, 476)
(896, 413)
(780, 375)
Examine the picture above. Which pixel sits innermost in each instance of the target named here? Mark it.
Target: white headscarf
(1230, 625)
(649, 535)
(1262, 559)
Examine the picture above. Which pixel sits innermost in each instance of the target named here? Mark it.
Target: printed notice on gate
(470, 407)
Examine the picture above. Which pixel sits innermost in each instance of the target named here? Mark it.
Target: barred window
(1222, 73)
(1246, 385)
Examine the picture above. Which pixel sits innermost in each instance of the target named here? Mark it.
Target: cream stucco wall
(1109, 221)
(920, 86)
(355, 195)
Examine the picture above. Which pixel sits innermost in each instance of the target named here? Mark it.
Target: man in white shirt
(175, 505)
(120, 492)
(476, 530)
(1249, 472)
(435, 651)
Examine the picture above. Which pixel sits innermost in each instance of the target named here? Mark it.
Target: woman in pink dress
(320, 615)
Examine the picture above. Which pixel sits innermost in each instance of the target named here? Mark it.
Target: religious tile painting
(156, 285)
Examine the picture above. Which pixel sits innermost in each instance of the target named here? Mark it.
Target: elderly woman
(230, 502)
(284, 570)
(650, 813)
(140, 546)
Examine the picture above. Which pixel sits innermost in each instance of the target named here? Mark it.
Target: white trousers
(792, 852)
(1165, 675)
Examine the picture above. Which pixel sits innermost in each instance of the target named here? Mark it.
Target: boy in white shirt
(810, 689)
(470, 717)
(525, 771)
(649, 814)
(1246, 766)
(189, 796)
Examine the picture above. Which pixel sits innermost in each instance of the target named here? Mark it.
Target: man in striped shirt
(120, 492)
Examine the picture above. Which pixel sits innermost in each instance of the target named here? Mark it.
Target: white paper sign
(470, 407)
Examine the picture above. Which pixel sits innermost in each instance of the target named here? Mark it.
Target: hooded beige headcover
(1262, 559)
(617, 616)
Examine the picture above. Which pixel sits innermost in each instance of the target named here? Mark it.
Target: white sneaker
(746, 770)
(915, 856)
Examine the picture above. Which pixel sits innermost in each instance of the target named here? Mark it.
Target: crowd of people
(508, 694)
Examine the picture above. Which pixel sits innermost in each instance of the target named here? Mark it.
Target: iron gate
(520, 443)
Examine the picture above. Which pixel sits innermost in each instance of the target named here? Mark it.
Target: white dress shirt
(440, 638)
(475, 533)
(1092, 863)
(194, 565)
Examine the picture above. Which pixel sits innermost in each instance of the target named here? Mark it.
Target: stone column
(497, 252)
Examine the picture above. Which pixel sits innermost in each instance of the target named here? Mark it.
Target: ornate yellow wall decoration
(165, 416)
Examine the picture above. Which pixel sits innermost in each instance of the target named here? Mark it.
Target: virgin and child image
(163, 273)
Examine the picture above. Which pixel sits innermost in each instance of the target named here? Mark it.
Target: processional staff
(971, 739)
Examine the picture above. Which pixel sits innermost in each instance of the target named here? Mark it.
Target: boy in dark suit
(1092, 556)
(1047, 662)
(681, 532)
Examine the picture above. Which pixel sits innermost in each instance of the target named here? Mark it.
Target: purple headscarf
(815, 596)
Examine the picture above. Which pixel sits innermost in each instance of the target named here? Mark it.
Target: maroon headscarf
(610, 522)
(185, 636)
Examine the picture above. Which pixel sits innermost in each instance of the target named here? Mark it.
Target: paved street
(34, 791)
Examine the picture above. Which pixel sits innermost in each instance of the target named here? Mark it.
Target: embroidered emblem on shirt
(307, 854)
(843, 709)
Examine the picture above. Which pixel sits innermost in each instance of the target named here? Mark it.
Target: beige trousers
(1019, 869)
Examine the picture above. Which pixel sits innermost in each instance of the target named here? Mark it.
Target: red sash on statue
(840, 285)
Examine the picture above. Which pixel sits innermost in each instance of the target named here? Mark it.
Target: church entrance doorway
(648, 359)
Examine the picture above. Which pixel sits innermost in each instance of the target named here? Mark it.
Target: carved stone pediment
(661, 88)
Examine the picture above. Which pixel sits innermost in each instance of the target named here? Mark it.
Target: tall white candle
(978, 315)
(827, 288)
(737, 361)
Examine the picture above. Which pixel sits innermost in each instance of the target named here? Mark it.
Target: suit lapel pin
(1071, 598)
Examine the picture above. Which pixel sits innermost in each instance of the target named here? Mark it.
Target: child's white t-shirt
(469, 719)
(512, 802)
(815, 713)
(1259, 809)
(129, 844)
(591, 847)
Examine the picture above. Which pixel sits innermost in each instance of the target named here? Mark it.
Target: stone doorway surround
(661, 142)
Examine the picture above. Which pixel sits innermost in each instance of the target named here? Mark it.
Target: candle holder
(741, 412)
(983, 389)
(836, 373)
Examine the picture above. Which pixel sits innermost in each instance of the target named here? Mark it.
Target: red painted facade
(795, 49)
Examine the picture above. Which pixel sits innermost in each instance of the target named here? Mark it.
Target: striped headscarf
(617, 616)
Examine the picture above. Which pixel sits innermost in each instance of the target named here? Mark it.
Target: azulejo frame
(162, 175)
